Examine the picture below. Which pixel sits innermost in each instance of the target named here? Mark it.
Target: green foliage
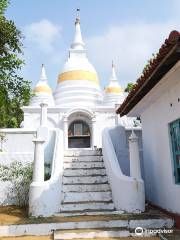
(3, 6)
(20, 176)
(129, 87)
(47, 171)
(14, 90)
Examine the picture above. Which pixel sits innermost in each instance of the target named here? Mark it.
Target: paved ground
(50, 238)
(15, 215)
(27, 238)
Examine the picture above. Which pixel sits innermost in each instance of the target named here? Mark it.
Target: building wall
(159, 179)
(32, 119)
(103, 120)
(19, 147)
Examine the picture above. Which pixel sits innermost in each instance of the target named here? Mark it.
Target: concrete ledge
(48, 228)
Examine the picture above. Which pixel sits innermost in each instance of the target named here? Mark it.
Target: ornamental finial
(113, 77)
(77, 16)
(43, 76)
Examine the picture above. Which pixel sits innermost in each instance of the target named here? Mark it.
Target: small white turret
(42, 91)
(114, 94)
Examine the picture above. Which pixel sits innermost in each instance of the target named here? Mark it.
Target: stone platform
(14, 222)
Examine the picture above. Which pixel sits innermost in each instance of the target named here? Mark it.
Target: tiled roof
(166, 58)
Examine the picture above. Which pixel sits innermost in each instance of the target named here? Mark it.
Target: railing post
(42, 136)
(38, 170)
(43, 117)
(65, 133)
(93, 133)
(135, 169)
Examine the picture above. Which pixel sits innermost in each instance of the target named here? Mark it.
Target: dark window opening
(79, 135)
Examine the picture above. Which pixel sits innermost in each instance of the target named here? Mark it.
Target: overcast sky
(126, 31)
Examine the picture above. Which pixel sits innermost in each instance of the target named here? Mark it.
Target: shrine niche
(79, 135)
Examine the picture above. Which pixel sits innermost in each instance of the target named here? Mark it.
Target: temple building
(98, 165)
(78, 104)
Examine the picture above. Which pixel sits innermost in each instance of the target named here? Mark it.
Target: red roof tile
(136, 94)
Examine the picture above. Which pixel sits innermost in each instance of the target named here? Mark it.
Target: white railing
(45, 196)
(127, 192)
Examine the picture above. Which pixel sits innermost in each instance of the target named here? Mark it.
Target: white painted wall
(19, 147)
(156, 114)
(127, 192)
(18, 140)
(4, 193)
(8, 157)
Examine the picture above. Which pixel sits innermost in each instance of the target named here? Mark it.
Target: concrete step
(151, 219)
(75, 197)
(98, 214)
(83, 159)
(91, 233)
(82, 207)
(84, 172)
(35, 227)
(86, 188)
(82, 152)
(83, 165)
(85, 180)
(148, 218)
(116, 224)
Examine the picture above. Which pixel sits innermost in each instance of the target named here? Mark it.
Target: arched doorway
(79, 135)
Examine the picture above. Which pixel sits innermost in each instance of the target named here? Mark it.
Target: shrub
(20, 177)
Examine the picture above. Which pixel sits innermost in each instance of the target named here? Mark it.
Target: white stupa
(80, 142)
(77, 106)
(78, 83)
(42, 91)
(114, 93)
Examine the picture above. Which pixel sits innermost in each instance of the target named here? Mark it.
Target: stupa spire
(42, 91)
(78, 42)
(113, 92)
(113, 74)
(43, 76)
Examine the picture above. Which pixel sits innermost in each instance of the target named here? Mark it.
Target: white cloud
(131, 46)
(43, 35)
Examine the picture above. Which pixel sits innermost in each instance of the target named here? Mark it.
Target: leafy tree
(14, 90)
(129, 87)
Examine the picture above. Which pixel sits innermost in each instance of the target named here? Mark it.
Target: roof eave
(163, 67)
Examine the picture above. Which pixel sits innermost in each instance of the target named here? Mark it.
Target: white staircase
(85, 183)
(87, 210)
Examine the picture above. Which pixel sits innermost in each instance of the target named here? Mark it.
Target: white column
(66, 133)
(93, 133)
(43, 116)
(135, 169)
(38, 170)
